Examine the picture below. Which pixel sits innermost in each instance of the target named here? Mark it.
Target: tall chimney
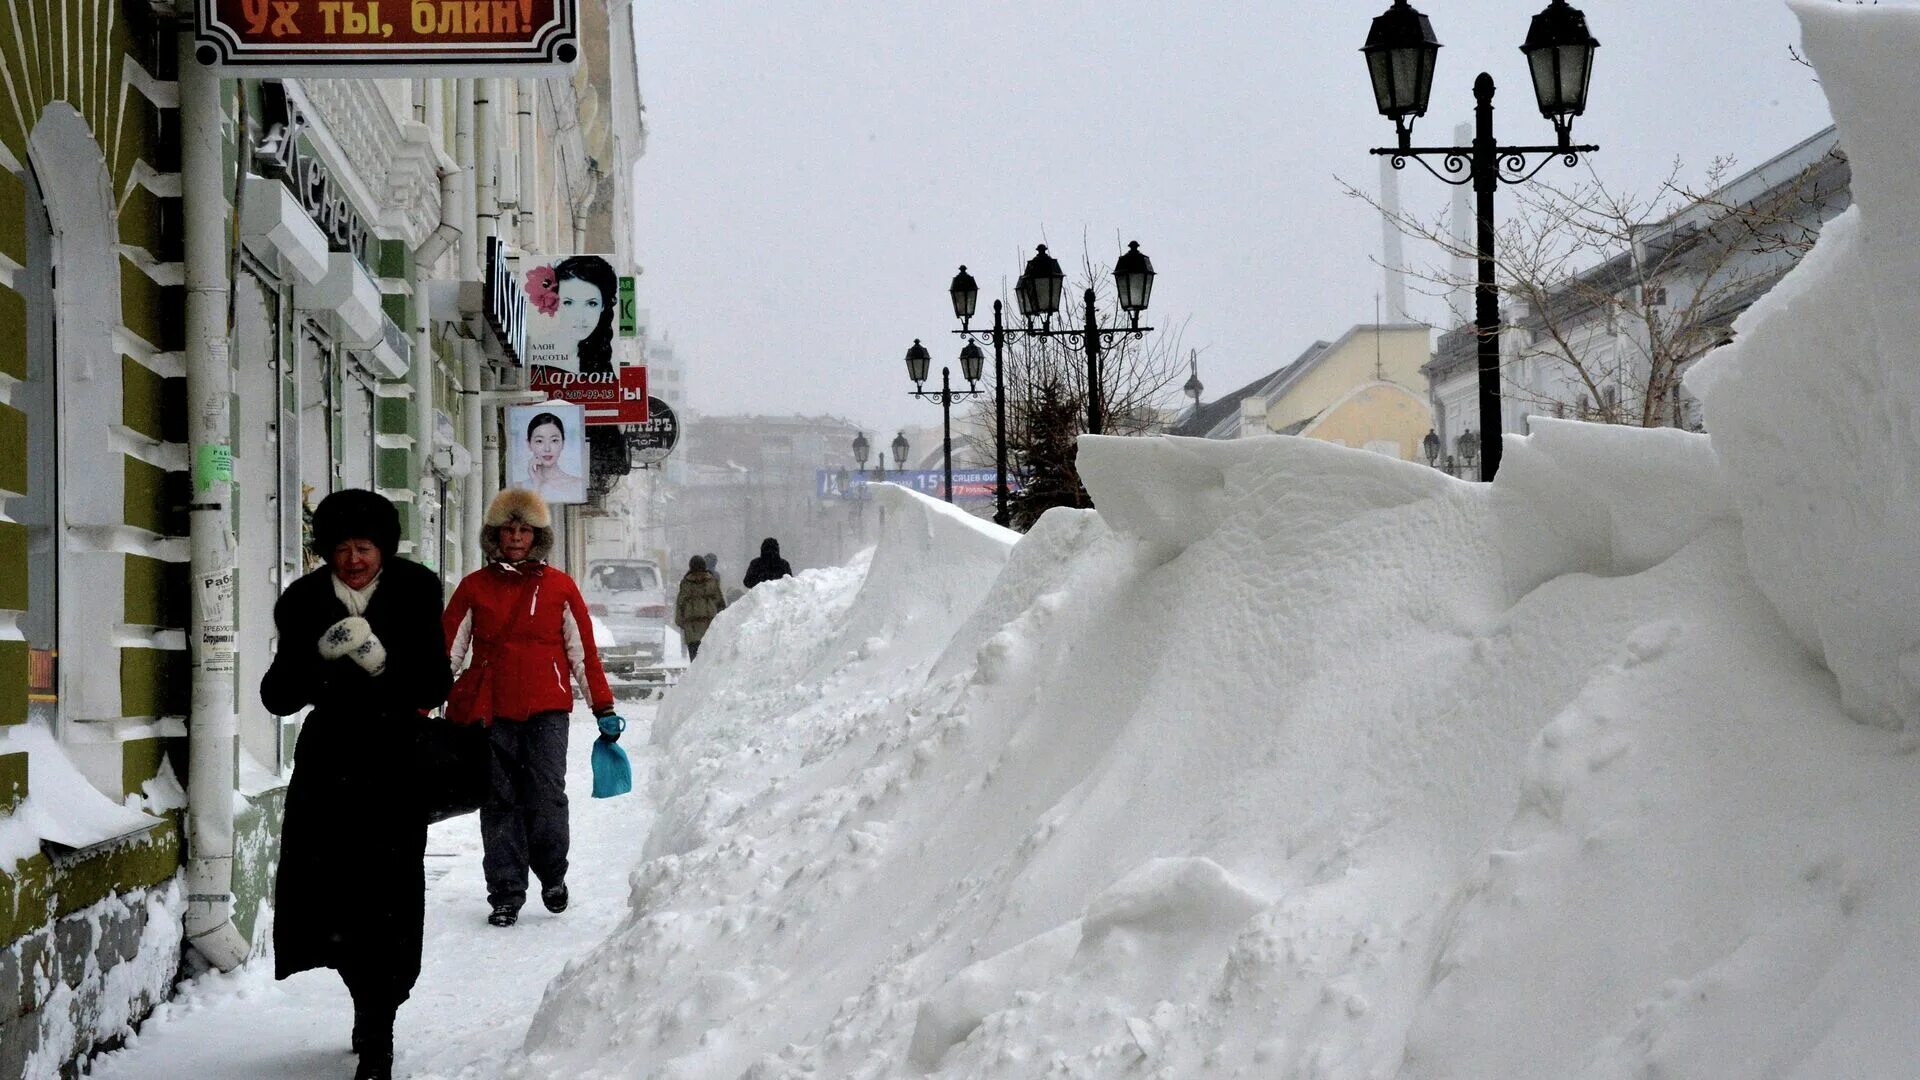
(1393, 259)
(1464, 227)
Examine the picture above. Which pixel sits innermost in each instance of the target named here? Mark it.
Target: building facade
(1612, 343)
(1362, 390)
(355, 225)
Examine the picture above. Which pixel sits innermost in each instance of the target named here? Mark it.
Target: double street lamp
(918, 360)
(1400, 52)
(1038, 294)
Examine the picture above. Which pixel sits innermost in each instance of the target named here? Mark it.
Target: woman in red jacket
(521, 631)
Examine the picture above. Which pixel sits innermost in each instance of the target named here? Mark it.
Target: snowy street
(478, 985)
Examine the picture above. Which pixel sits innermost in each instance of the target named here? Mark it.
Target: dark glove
(611, 725)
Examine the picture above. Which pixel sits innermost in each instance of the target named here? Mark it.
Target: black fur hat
(355, 514)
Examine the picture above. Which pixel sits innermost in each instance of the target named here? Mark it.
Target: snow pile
(61, 806)
(1295, 761)
(1816, 407)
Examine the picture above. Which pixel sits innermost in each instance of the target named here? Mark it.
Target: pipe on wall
(420, 375)
(528, 161)
(213, 634)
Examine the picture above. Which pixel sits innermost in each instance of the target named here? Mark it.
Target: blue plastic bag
(612, 775)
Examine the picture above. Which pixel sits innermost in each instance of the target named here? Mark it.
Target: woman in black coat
(360, 641)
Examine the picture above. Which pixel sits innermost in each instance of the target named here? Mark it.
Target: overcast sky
(815, 172)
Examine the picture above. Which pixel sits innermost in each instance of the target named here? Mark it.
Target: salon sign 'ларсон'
(388, 37)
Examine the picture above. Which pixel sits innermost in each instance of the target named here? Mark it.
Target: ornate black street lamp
(900, 452)
(1037, 293)
(860, 449)
(1431, 444)
(1468, 446)
(918, 360)
(1400, 52)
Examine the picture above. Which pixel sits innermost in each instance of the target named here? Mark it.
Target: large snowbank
(1294, 761)
(1816, 406)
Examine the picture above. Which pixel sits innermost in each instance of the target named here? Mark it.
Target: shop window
(316, 407)
(39, 508)
(356, 437)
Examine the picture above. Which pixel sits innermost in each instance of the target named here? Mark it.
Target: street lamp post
(1400, 52)
(1038, 294)
(918, 359)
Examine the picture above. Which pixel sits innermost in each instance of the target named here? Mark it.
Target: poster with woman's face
(547, 450)
(572, 302)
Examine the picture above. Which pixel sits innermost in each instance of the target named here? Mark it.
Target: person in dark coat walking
(698, 602)
(521, 632)
(360, 642)
(769, 565)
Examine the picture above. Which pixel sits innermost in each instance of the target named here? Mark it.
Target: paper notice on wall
(212, 464)
(216, 595)
(217, 648)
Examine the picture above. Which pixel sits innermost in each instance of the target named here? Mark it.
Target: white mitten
(370, 655)
(344, 636)
(354, 639)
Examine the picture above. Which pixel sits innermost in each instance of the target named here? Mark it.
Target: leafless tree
(1620, 292)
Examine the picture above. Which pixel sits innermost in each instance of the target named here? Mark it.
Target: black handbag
(455, 767)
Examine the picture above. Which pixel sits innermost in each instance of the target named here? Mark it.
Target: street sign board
(968, 484)
(608, 397)
(652, 441)
(384, 38)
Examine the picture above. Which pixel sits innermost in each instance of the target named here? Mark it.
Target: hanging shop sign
(547, 451)
(505, 305)
(384, 38)
(609, 397)
(284, 154)
(651, 442)
(629, 313)
(579, 305)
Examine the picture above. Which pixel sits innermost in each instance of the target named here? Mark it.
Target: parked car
(629, 596)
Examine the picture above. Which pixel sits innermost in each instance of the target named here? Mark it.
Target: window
(39, 507)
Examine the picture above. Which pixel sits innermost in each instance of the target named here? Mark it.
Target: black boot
(373, 1041)
(504, 915)
(555, 897)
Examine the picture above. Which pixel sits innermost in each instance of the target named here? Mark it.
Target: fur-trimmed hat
(522, 505)
(354, 513)
(525, 507)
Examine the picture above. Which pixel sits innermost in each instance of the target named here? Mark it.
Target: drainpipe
(430, 251)
(463, 154)
(529, 195)
(212, 726)
(486, 157)
(472, 495)
(472, 509)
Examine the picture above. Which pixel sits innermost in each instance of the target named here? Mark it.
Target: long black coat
(351, 892)
(767, 567)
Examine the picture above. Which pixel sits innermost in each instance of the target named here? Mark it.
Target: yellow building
(1364, 390)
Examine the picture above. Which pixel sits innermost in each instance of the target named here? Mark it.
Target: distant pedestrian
(521, 629)
(699, 601)
(769, 565)
(360, 641)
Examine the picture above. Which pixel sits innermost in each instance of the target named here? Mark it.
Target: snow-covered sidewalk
(478, 985)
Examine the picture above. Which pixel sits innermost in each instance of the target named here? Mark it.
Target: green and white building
(345, 223)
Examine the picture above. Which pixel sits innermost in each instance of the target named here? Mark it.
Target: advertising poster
(547, 450)
(573, 313)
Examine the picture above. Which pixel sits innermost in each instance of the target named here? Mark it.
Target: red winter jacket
(530, 623)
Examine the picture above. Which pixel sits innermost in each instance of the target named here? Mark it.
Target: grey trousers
(524, 824)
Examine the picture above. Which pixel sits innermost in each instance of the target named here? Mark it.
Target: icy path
(478, 985)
